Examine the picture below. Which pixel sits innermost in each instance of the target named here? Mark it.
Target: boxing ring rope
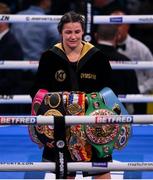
(104, 19)
(26, 99)
(77, 166)
(135, 98)
(22, 64)
(116, 65)
(73, 120)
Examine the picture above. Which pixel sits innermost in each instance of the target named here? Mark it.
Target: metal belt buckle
(74, 109)
(102, 134)
(79, 148)
(53, 100)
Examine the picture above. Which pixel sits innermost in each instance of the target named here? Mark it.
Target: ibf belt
(79, 148)
(52, 105)
(112, 102)
(102, 137)
(34, 109)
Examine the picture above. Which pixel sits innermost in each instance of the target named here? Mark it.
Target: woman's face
(72, 34)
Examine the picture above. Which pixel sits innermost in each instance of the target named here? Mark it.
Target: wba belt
(101, 137)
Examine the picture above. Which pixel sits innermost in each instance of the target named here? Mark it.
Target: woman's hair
(71, 17)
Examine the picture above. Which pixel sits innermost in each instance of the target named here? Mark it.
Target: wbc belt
(112, 102)
(101, 137)
(79, 148)
(51, 105)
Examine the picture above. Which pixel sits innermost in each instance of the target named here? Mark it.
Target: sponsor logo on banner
(99, 164)
(116, 19)
(61, 163)
(36, 18)
(121, 96)
(4, 97)
(17, 163)
(123, 62)
(18, 120)
(114, 119)
(4, 18)
(145, 19)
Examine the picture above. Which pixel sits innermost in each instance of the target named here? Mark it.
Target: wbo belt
(101, 137)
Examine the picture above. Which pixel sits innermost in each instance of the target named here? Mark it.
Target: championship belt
(79, 148)
(102, 137)
(37, 101)
(111, 100)
(34, 109)
(52, 105)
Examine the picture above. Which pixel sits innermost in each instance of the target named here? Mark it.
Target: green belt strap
(101, 137)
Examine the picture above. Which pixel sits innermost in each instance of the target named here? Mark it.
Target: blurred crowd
(22, 41)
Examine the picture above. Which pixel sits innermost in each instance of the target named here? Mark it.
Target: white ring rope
(131, 65)
(4, 64)
(72, 120)
(15, 99)
(104, 19)
(26, 99)
(77, 166)
(33, 64)
(135, 98)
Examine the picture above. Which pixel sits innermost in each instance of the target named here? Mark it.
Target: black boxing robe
(92, 73)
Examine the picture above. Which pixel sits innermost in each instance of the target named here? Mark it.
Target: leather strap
(112, 101)
(101, 137)
(34, 109)
(37, 101)
(52, 105)
(60, 147)
(79, 148)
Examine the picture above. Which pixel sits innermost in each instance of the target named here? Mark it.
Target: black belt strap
(60, 147)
